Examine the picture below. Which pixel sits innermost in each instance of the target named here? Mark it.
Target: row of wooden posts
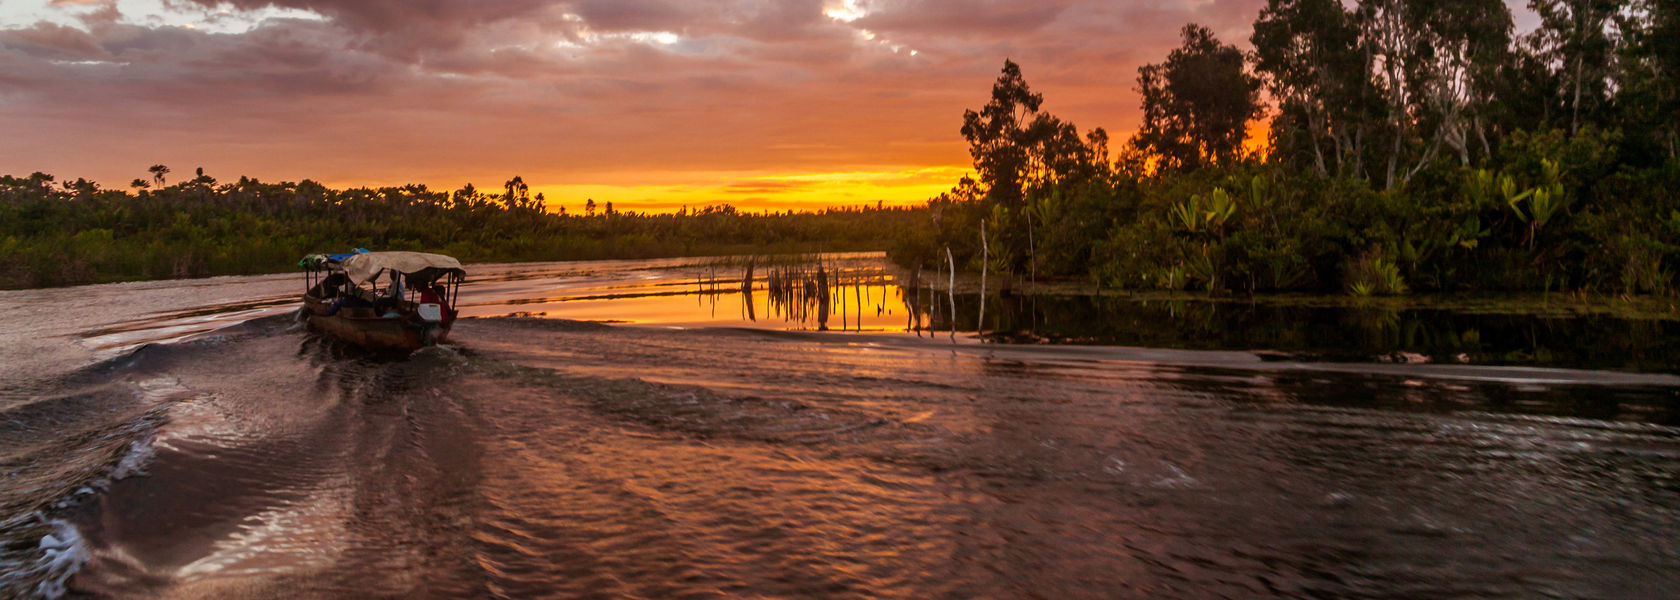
(805, 291)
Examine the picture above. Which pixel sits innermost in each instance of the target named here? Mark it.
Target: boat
(382, 300)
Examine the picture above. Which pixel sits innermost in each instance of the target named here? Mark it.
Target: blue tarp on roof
(341, 257)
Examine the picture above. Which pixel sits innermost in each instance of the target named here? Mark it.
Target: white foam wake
(45, 572)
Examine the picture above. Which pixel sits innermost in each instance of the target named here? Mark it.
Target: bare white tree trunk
(985, 256)
(951, 291)
(933, 301)
(1318, 153)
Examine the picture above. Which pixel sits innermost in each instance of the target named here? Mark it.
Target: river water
(658, 429)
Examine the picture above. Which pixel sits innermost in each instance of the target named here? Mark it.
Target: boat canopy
(365, 267)
(324, 262)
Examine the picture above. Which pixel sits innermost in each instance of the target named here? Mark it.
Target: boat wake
(44, 569)
(545, 457)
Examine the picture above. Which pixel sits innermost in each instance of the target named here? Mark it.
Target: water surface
(187, 439)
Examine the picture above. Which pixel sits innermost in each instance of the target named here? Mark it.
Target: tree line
(73, 232)
(1413, 145)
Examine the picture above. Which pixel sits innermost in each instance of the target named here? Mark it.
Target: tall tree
(1387, 36)
(1436, 61)
(1056, 153)
(1651, 73)
(1463, 46)
(1016, 147)
(1020, 153)
(158, 171)
(997, 136)
(1309, 55)
(517, 192)
(1576, 37)
(1197, 104)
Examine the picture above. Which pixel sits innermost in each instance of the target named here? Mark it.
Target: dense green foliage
(1415, 146)
(74, 232)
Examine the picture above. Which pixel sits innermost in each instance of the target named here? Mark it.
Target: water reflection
(1339, 333)
(631, 461)
(828, 292)
(825, 293)
(863, 292)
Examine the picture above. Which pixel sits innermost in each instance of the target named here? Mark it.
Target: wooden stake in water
(985, 256)
(747, 290)
(912, 321)
(933, 300)
(821, 294)
(951, 291)
(1032, 251)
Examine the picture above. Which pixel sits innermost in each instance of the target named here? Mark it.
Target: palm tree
(158, 171)
(516, 190)
(466, 197)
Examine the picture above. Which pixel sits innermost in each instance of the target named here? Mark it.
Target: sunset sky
(650, 104)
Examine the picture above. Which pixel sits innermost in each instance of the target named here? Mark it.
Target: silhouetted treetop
(1197, 104)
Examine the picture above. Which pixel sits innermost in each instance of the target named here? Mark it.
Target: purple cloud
(441, 92)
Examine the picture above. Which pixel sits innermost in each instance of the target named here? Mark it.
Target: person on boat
(329, 286)
(347, 301)
(391, 300)
(434, 294)
(430, 294)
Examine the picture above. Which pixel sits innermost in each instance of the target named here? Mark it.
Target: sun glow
(846, 11)
(849, 11)
(757, 192)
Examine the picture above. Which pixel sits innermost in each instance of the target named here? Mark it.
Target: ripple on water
(558, 460)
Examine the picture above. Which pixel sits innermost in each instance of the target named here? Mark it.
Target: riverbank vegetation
(66, 233)
(1414, 146)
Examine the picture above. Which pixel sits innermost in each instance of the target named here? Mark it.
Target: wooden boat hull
(362, 327)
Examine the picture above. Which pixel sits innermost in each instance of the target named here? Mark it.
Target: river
(659, 429)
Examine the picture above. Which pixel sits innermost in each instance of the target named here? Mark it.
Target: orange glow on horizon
(659, 193)
(748, 192)
(752, 191)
